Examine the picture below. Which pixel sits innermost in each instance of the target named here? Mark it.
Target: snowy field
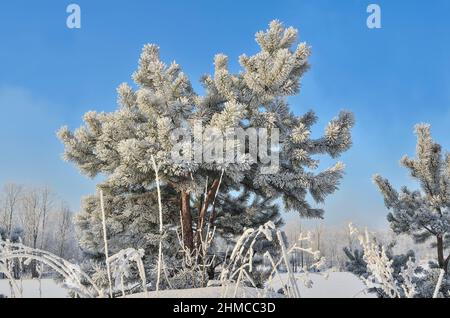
(50, 289)
(208, 292)
(337, 285)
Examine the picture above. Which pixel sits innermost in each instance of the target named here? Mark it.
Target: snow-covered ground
(50, 289)
(333, 285)
(209, 292)
(337, 285)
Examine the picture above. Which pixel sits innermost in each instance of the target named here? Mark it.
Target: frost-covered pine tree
(424, 214)
(121, 145)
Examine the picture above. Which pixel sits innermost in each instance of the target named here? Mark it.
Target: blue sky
(390, 78)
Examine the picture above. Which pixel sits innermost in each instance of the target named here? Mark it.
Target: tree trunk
(186, 221)
(9, 229)
(202, 215)
(446, 264)
(440, 251)
(212, 219)
(34, 271)
(443, 263)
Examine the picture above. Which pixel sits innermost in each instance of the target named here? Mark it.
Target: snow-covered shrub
(99, 276)
(186, 278)
(357, 265)
(72, 274)
(240, 267)
(390, 276)
(91, 284)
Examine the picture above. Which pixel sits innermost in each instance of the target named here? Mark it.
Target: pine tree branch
(429, 230)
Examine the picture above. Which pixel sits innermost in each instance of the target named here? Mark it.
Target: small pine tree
(423, 214)
(355, 263)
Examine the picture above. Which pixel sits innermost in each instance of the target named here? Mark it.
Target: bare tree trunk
(61, 249)
(302, 258)
(34, 271)
(10, 222)
(446, 262)
(318, 241)
(186, 221)
(212, 219)
(31, 221)
(45, 207)
(12, 193)
(202, 215)
(62, 238)
(443, 263)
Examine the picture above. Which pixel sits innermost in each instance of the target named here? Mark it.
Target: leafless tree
(10, 199)
(45, 205)
(318, 236)
(63, 229)
(34, 209)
